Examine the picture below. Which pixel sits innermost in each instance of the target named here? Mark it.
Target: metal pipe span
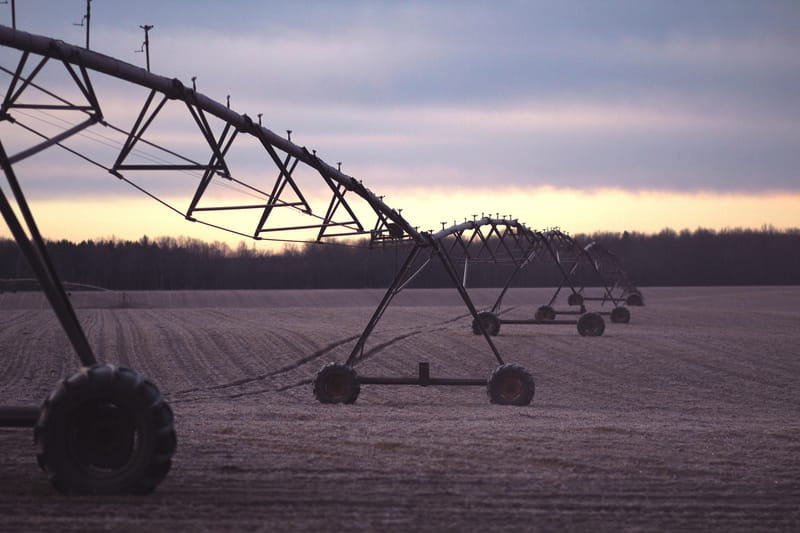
(174, 89)
(473, 224)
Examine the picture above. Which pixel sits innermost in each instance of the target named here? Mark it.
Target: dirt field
(688, 418)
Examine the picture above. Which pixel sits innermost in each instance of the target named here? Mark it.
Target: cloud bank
(631, 95)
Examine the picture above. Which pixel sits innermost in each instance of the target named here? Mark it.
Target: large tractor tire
(635, 299)
(510, 384)
(591, 325)
(620, 315)
(545, 312)
(336, 383)
(105, 430)
(490, 322)
(575, 299)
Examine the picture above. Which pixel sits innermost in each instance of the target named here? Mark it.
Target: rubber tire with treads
(575, 299)
(591, 325)
(545, 312)
(510, 384)
(620, 315)
(336, 383)
(635, 299)
(490, 323)
(105, 430)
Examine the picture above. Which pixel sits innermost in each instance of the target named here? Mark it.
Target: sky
(588, 116)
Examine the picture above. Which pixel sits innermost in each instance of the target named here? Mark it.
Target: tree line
(701, 257)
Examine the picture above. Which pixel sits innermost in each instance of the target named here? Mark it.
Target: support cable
(178, 211)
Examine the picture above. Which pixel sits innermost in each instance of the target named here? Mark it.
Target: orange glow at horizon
(573, 211)
(613, 210)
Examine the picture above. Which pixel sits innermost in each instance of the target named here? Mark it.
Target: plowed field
(688, 418)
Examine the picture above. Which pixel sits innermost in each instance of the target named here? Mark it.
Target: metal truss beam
(200, 105)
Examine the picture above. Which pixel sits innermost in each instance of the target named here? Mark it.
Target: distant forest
(701, 257)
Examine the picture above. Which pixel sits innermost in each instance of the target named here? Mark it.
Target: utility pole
(85, 21)
(13, 13)
(88, 20)
(146, 43)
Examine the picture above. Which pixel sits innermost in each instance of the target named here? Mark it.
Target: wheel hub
(102, 436)
(510, 388)
(336, 386)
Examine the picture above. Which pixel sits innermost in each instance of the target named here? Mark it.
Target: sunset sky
(589, 116)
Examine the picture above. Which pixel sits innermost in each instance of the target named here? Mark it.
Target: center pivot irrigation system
(107, 429)
(552, 247)
(609, 267)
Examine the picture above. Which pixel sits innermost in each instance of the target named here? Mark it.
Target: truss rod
(451, 272)
(120, 176)
(391, 292)
(174, 89)
(51, 141)
(35, 252)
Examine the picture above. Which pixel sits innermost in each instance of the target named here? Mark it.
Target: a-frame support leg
(33, 248)
(391, 292)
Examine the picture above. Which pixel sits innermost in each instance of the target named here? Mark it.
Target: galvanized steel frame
(570, 253)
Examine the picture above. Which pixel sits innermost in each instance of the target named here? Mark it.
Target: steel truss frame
(405, 274)
(338, 220)
(610, 268)
(505, 240)
(582, 268)
(545, 243)
(512, 243)
(522, 246)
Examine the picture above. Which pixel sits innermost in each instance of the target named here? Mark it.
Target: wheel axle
(509, 384)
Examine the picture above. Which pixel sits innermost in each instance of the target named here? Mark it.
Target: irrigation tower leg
(451, 271)
(35, 252)
(391, 292)
(507, 286)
